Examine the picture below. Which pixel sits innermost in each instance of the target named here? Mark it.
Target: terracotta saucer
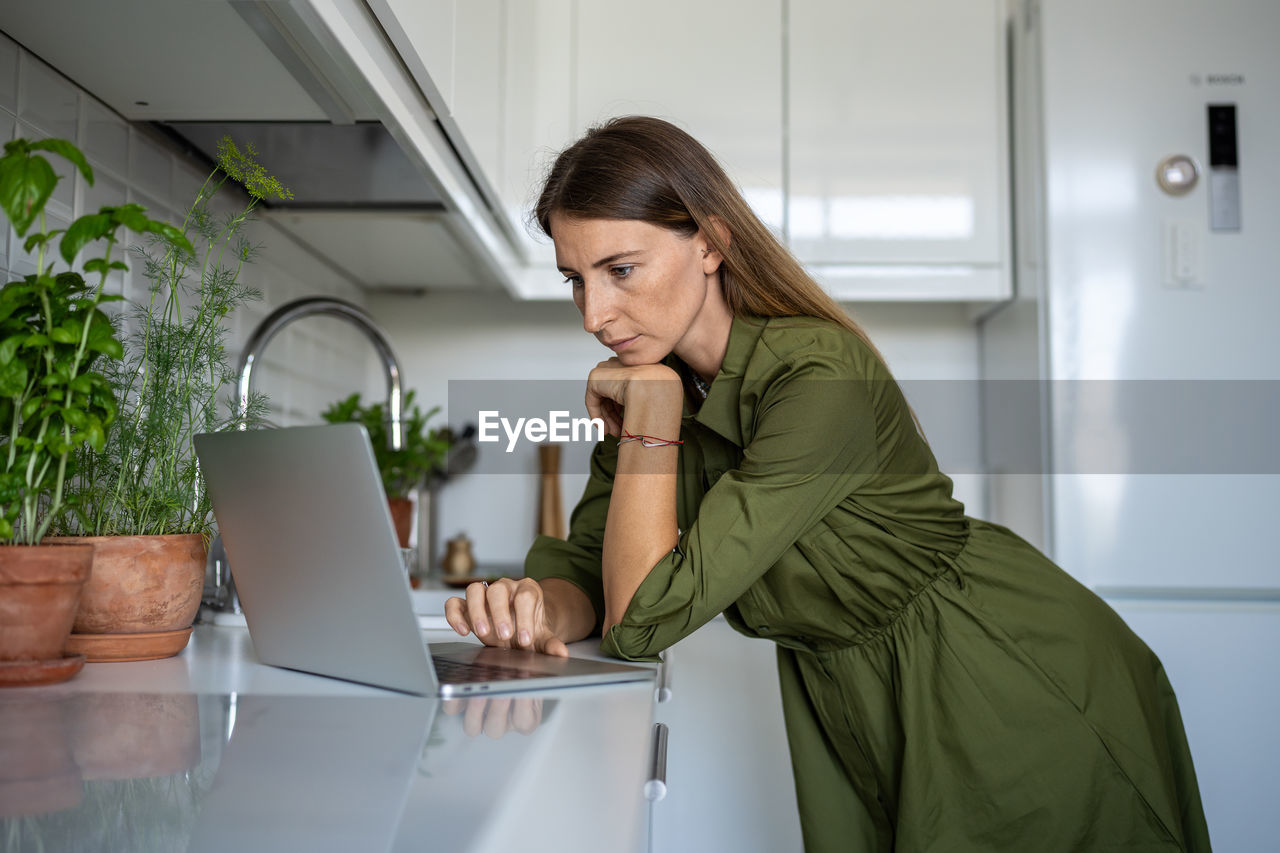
(29, 673)
(100, 648)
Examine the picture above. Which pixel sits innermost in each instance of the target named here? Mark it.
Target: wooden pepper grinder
(458, 560)
(550, 509)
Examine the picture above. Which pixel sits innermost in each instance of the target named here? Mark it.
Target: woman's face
(641, 289)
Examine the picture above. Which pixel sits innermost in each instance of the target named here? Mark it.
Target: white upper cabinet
(713, 67)
(476, 104)
(422, 32)
(871, 136)
(536, 119)
(897, 153)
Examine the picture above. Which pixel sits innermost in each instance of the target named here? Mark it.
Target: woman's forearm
(641, 526)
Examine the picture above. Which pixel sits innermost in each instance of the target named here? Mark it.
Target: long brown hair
(647, 169)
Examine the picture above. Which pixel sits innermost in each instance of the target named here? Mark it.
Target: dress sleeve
(813, 440)
(577, 559)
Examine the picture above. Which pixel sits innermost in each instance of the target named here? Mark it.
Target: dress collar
(720, 410)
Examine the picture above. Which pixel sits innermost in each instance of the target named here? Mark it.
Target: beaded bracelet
(648, 440)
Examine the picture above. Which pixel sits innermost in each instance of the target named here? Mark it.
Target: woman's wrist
(655, 403)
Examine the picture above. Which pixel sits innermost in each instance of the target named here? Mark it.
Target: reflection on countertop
(212, 750)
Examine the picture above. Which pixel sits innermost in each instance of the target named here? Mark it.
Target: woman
(945, 686)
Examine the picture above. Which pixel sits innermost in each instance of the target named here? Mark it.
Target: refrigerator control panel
(1224, 166)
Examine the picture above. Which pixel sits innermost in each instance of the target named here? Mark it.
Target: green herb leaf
(65, 149)
(63, 335)
(97, 436)
(173, 235)
(131, 216)
(13, 378)
(85, 230)
(109, 347)
(75, 417)
(40, 240)
(8, 349)
(26, 183)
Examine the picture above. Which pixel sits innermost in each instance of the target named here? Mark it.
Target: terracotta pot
(141, 584)
(135, 735)
(40, 586)
(402, 518)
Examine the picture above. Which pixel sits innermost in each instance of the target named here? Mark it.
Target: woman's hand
(611, 384)
(507, 613)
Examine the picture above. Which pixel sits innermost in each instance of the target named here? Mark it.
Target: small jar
(458, 560)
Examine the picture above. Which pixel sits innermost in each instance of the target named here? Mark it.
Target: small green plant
(53, 405)
(424, 450)
(146, 480)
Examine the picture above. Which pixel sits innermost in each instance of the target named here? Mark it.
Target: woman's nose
(595, 307)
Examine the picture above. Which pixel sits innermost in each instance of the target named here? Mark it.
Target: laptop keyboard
(457, 672)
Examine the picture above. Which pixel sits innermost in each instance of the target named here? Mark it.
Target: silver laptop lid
(311, 546)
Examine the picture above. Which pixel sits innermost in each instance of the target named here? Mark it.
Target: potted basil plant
(53, 402)
(422, 456)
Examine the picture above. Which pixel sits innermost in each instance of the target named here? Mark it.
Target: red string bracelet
(648, 440)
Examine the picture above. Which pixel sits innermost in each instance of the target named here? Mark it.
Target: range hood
(326, 166)
(358, 201)
(380, 191)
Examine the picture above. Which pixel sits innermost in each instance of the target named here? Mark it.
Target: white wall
(309, 364)
(443, 337)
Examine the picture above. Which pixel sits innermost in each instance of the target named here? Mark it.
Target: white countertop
(211, 750)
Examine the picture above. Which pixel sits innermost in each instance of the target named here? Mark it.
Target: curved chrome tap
(306, 307)
(220, 591)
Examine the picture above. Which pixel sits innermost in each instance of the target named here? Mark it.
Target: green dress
(945, 686)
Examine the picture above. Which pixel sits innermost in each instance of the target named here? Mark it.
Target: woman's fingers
(506, 613)
(528, 607)
(478, 612)
(498, 596)
(455, 613)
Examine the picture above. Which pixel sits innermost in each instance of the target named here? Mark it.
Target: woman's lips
(618, 346)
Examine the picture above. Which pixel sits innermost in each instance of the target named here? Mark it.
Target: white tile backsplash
(150, 165)
(46, 99)
(104, 137)
(302, 373)
(8, 74)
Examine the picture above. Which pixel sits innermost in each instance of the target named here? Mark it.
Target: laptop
(317, 565)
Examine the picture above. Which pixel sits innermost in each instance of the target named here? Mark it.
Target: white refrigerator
(1130, 409)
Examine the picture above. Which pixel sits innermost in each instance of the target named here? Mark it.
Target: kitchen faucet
(306, 307)
(220, 590)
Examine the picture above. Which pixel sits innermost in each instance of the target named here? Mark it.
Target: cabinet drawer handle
(662, 690)
(656, 788)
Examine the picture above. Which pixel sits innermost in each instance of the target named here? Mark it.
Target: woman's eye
(574, 280)
(622, 271)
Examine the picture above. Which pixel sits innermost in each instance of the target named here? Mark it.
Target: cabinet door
(422, 32)
(896, 128)
(536, 118)
(729, 782)
(712, 67)
(478, 80)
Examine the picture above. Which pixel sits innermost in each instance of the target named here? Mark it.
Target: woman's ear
(711, 258)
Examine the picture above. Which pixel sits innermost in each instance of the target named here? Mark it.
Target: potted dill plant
(55, 409)
(142, 499)
(401, 471)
